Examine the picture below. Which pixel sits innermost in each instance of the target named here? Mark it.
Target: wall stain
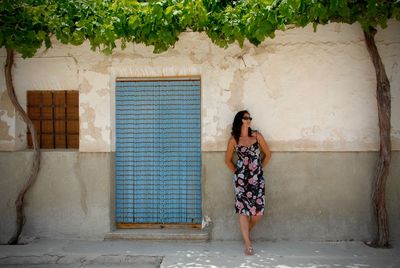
(83, 196)
(395, 65)
(4, 130)
(310, 131)
(85, 87)
(82, 185)
(7, 109)
(197, 59)
(88, 117)
(218, 145)
(102, 66)
(122, 55)
(6, 105)
(224, 65)
(103, 92)
(265, 49)
(235, 102)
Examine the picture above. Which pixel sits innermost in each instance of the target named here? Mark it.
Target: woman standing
(249, 180)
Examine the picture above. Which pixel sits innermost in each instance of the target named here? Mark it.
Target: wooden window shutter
(55, 115)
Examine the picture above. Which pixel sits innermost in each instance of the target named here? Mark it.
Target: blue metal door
(158, 152)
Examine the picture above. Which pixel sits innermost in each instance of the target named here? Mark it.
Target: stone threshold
(158, 234)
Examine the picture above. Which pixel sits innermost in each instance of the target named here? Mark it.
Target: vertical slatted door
(158, 152)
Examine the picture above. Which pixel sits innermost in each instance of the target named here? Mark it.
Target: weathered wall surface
(306, 91)
(312, 95)
(310, 196)
(70, 199)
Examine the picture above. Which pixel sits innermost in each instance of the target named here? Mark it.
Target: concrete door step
(158, 234)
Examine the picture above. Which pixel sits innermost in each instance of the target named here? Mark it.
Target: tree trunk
(382, 169)
(19, 203)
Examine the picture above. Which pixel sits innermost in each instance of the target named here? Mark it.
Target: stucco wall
(312, 95)
(70, 199)
(306, 91)
(310, 196)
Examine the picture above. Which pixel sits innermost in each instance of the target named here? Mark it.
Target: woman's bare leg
(253, 221)
(244, 228)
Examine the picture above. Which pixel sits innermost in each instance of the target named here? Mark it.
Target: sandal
(249, 251)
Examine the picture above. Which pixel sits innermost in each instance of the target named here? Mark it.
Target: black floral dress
(249, 181)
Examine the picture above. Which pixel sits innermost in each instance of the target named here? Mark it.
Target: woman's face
(246, 119)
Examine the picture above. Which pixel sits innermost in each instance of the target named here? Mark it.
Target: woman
(249, 179)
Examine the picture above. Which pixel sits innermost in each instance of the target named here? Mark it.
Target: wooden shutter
(55, 115)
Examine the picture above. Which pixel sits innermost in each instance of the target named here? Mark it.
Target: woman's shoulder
(256, 134)
(232, 140)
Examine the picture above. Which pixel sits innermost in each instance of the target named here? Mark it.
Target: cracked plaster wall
(306, 91)
(7, 117)
(68, 200)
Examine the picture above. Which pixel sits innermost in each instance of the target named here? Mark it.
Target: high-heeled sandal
(249, 251)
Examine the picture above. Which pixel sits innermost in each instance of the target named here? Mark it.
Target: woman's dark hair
(237, 125)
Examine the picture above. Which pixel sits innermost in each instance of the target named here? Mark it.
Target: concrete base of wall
(70, 199)
(318, 196)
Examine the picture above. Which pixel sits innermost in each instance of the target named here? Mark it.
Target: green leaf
(123, 43)
(396, 13)
(266, 27)
(47, 41)
(25, 24)
(77, 38)
(168, 10)
(41, 34)
(134, 22)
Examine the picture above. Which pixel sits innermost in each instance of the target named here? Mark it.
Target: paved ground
(145, 254)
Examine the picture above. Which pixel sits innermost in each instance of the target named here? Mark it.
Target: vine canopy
(28, 24)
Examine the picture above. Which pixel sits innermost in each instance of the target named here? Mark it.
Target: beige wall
(320, 196)
(71, 197)
(306, 91)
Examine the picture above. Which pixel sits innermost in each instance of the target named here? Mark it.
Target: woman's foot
(248, 250)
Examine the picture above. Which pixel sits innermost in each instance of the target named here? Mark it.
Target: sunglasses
(247, 118)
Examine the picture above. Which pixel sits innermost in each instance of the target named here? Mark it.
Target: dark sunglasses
(247, 118)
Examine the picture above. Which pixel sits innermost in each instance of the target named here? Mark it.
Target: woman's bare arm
(264, 148)
(229, 154)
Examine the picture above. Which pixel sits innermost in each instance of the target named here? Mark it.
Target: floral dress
(249, 181)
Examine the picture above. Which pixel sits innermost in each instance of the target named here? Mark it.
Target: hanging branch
(19, 203)
(382, 169)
